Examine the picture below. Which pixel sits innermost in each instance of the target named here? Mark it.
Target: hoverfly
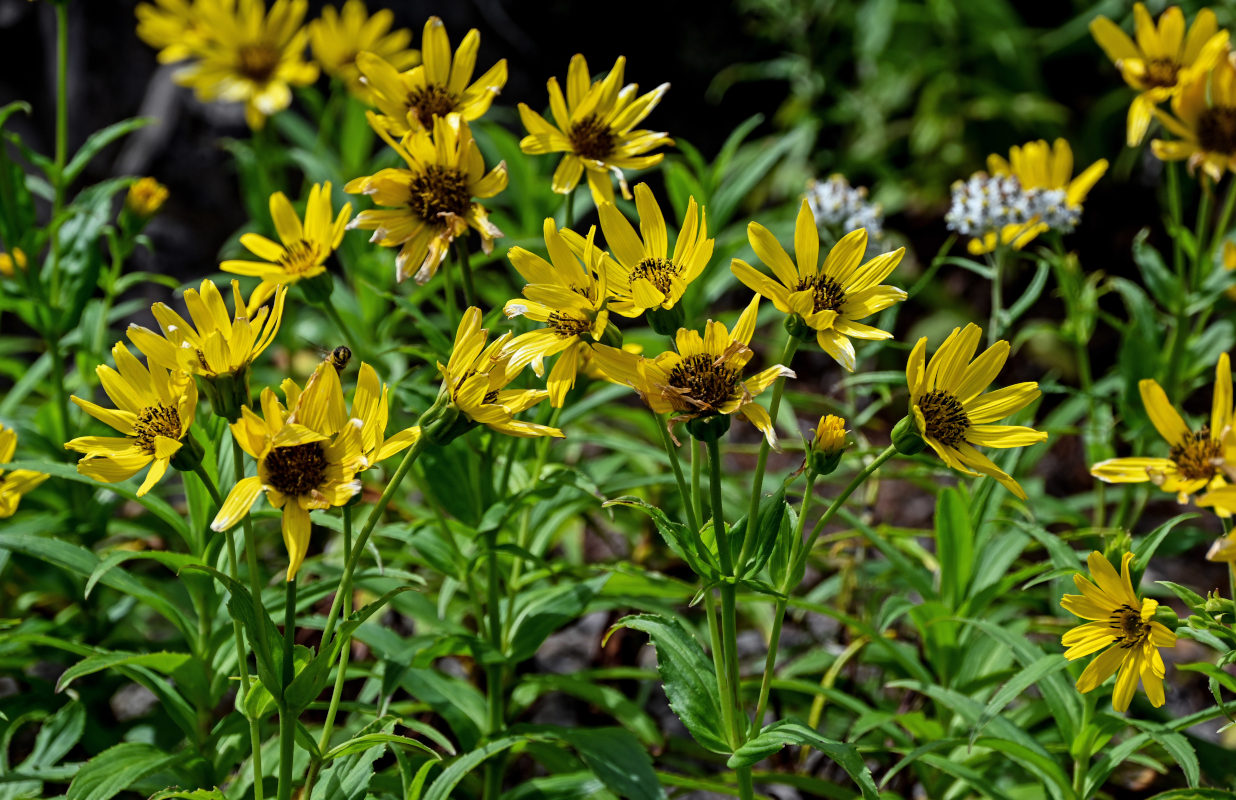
(337, 358)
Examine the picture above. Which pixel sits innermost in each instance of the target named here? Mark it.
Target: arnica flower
(338, 36)
(595, 126)
(429, 203)
(440, 86)
(146, 196)
(1161, 59)
(307, 458)
(250, 56)
(1122, 627)
(1204, 120)
(218, 346)
(14, 483)
(1054, 196)
(370, 406)
(154, 409)
(569, 298)
(474, 392)
(304, 249)
(703, 378)
(11, 262)
(1196, 459)
(829, 299)
(642, 274)
(952, 414)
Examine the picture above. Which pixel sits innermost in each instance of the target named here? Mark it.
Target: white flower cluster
(986, 203)
(838, 204)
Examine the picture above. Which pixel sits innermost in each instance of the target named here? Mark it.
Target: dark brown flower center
(1161, 72)
(944, 416)
(567, 326)
(1195, 455)
(155, 421)
(657, 271)
(1131, 629)
(299, 256)
(430, 101)
(298, 469)
(826, 293)
(439, 190)
(1216, 129)
(705, 384)
(258, 62)
(591, 138)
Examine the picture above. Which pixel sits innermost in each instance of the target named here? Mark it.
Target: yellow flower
(1046, 172)
(15, 482)
(440, 86)
(1122, 627)
(831, 297)
(154, 409)
(829, 435)
(369, 405)
(1204, 118)
(641, 273)
(337, 37)
(214, 345)
(474, 382)
(1223, 549)
(594, 126)
(704, 377)
(953, 415)
(1195, 462)
(9, 264)
(430, 202)
(1161, 59)
(567, 296)
(304, 249)
(146, 196)
(306, 458)
(172, 27)
(249, 56)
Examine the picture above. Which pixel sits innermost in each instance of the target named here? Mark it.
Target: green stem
(835, 506)
(1173, 205)
(62, 140)
(1187, 280)
(1225, 220)
(493, 672)
(997, 295)
(568, 217)
(453, 313)
(729, 622)
(525, 518)
(692, 519)
(465, 270)
(1081, 758)
(697, 472)
(287, 722)
(757, 482)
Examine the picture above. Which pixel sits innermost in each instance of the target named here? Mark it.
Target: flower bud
(189, 456)
(666, 321)
(797, 327)
(1166, 615)
(146, 196)
(709, 429)
(906, 437)
(612, 336)
(318, 289)
(9, 264)
(443, 422)
(827, 446)
(227, 392)
(1217, 605)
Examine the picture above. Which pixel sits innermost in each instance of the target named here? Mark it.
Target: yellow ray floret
(370, 406)
(952, 413)
(831, 297)
(409, 101)
(704, 377)
(307, 458)
(429, 203)
(594, 124)
(1122, 627)
(1203, 119)
(338, 36)
(1196, 460)
(154, 409)
(1161, 58)
(173, 27)
(302, 249)
(14, 483)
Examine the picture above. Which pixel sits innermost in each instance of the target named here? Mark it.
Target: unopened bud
(227, 393)
(146, 196)
(318, 289)
(906, 437)
(1166, 616)
(797, 327)
(827, 446)
(612, 336)
(666, 321)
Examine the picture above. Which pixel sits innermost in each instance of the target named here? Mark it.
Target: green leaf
(680, 538)
(790, 731)
(539, 613)
(195, 794)
(954, 546)
(567, 786)
(1018, 684)
(770, 518)
(261, 635)
(1187, 596)
(1145, 548)
(118, 768)
(445, 784)
(165, 663)
(688, 677)
(618, 759)
(368, 740)
(56, 737)
(176, 561)
(607, 698)
(97, 141)
(348, 778)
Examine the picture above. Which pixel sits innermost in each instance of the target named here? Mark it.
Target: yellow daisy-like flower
(440, 86)
(1195, 462)
(304, 249)
(249, 56)
(215, 344)
(595, 127)
(704, 377)
(306, 458)
(566, 295)
(11, 262)
(1123, 627)
(952, 413)
(641, 273)
(146, 196)
(370, 406)
(339, 36)
(172, 27)
(1043, 168)
(1161, 59)
(829, 434)
(430, 203)
(1204, 118)
(15, 482)
(831, 297)
(474, 382)
(154, 409)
